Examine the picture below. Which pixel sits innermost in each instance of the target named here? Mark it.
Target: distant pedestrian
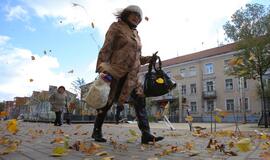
(58, 101)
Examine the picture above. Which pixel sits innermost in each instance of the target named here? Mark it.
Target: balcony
(209, 94)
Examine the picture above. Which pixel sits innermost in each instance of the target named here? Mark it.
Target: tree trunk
(264, 113)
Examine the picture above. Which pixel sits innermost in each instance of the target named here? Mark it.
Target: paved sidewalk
(37, 143)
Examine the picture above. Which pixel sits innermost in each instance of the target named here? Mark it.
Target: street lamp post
(181, 115)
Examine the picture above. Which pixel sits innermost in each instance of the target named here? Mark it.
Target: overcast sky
(49, 42)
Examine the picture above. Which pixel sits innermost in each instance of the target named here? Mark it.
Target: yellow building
(202, 84)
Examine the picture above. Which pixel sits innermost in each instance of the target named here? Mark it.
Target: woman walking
(58, 101)
(121, 58)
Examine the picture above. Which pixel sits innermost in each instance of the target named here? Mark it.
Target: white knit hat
(134, 8)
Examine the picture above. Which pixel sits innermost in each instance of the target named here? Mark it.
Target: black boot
(149, 138)
(97, 135)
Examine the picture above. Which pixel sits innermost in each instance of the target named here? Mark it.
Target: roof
(197, 55)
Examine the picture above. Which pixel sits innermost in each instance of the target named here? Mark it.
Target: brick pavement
(37, 137)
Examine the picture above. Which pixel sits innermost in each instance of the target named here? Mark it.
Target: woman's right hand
(154, 57)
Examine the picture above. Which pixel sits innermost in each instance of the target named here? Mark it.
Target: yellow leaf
(108, 158)
(240, 61)
(59, 151)
(232, 62)
(252, 57)
(244, 145)
(103, 153)
(12, 126)
(132, 139)
(133, 133)
(264, 136)
(189, 118)
(217, 119)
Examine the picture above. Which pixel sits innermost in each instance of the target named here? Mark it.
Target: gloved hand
(154, 57)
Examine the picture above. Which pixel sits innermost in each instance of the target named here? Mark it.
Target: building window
(229, 84)
(193, 88)
(242, 84)
(209, 86)
(192, 71)
(230, 104)
(184, 90)
(209, 105)
(209, 68)
(193, 106)
(246, 104)
(182, 72)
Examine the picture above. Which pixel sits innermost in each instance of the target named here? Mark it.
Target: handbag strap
(153, 64)
(159, 64)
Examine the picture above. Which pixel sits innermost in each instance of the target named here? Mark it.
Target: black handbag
(157, 82)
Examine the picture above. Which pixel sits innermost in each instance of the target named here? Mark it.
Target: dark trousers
(141, 114)
(58, 118)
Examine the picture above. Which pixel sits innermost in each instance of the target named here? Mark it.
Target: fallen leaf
(244, 145)
(59, 151)
(103, 153)
(230, 153)
(58, 140)
(78, 126)
(265, 146)
(264, 136)
(108, 158)
(85, 133)
(133, 133)
(189, 145)
(193, 153)
(11, 148)
(132, 139)
(12, 126)
(265, 155)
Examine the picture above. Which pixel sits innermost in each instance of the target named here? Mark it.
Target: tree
(249, 28)
(77, 84)
(2, 106)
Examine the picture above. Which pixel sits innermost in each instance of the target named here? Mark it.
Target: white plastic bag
(98, 93)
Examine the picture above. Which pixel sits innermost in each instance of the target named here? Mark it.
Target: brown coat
(121, 57)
